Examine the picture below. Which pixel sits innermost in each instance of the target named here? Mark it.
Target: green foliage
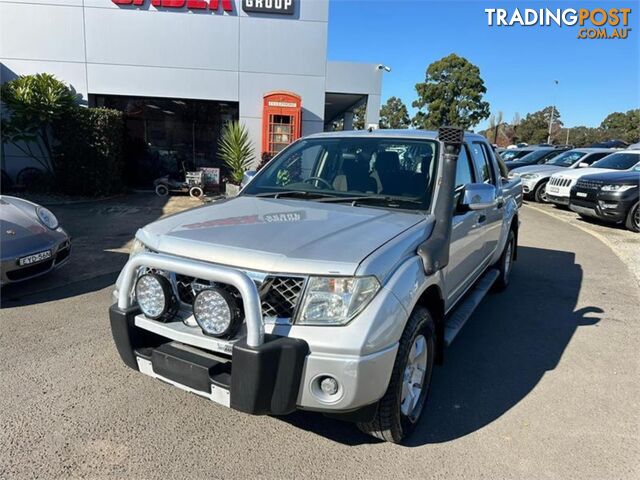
(451, 94)
(88, 156)
(394, 114)
(622, 126)
(359, 116)
(236, 151)
(534, 128)
(583, 136)
(33, 104)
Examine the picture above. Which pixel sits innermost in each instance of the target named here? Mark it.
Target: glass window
(595, 157)
(168, 136)
(618, 161)
(464, 174)
(481, 162)
(566, 159)
(386, 172)
(513, 154)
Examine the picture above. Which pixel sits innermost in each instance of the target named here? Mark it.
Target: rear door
(466, 250)
(490, 218)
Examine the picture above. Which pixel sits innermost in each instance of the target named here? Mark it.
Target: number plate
(581, 194)
(553, 189)
(35, 258)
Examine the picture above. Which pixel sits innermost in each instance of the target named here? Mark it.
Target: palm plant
(32, 104)
(235, 150)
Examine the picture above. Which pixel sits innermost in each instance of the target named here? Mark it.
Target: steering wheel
(318, 179)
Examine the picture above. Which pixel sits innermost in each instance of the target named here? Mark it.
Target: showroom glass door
(168, 136)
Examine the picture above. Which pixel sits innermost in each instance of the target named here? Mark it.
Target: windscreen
(509, 155)
(566, 159)
(618, 161)
(382, 169)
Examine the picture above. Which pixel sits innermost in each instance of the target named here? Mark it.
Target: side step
(459, 316)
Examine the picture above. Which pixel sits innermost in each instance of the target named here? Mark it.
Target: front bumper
(609, 207)
(60, 246)
(258, 373)
(558, 200)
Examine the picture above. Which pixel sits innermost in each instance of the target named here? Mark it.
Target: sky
(518, 64)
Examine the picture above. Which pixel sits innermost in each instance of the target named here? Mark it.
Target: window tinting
(464, 175)
(481, 163)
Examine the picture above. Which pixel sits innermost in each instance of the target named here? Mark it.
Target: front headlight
(617, 188)
(47, 218)
(530, 175)
(137, 248)
(336, 300)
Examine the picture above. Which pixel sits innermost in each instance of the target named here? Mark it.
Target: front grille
(560, 182)
(30, 271)
(589, 184)
(279, 295)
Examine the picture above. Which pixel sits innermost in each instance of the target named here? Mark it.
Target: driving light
(329, 385)
(155, 297)
(47, 218)
(617, 188)
(216, 312)
(336, 300)
(530, 175)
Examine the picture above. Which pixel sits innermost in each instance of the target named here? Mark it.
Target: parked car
(612, 197)
(560, 184)
(535, 177)
(539, 156)
(32, 242)
(324, 285)
(514, 153)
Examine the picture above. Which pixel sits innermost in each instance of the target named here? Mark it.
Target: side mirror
(583, 165)
(247, 177)
(478, 196)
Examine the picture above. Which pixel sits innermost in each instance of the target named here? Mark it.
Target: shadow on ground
(509, 343)
(101, 233)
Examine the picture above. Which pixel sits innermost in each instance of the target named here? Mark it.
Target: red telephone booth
(281, 120)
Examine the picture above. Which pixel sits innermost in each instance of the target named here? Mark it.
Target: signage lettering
(285, 7)
(282, 104)
(214, 5)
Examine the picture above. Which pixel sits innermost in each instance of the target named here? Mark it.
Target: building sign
(213, 5)
(283, 104)
(285, 7)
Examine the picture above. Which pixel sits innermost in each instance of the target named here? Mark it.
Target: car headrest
(388, 162)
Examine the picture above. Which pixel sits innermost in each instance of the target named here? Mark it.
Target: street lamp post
(553, 110)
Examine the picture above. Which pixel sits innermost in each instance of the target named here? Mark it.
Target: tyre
(162, 190)
(400, 408)
(195, 192)
(540, 193)
(505, 263)
(633, 218)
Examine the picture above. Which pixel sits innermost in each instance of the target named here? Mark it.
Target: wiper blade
(386, 200)
(294, 194)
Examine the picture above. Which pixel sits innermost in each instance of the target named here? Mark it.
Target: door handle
(499, 202)
(482, 218)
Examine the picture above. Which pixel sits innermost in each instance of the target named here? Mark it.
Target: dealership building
(180, 69)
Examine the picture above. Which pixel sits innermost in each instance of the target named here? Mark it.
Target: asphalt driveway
(541, 383)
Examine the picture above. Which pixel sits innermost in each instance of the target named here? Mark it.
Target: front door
(466, 250)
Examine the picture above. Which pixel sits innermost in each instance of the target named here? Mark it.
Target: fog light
(155, 297)
(608, 205)
(216, 312)
(329, 385)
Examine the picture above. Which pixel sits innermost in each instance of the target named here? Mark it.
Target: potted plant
(236, 152)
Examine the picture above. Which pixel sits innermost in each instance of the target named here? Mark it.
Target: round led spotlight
(155, 297)
(216, 312)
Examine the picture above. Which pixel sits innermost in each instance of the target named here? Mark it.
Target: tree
(33, 104)
(582, 136)
(495, 125)
(394, 114)
(534, 128)
(235, 150)
(451, 94)
(622, 126)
